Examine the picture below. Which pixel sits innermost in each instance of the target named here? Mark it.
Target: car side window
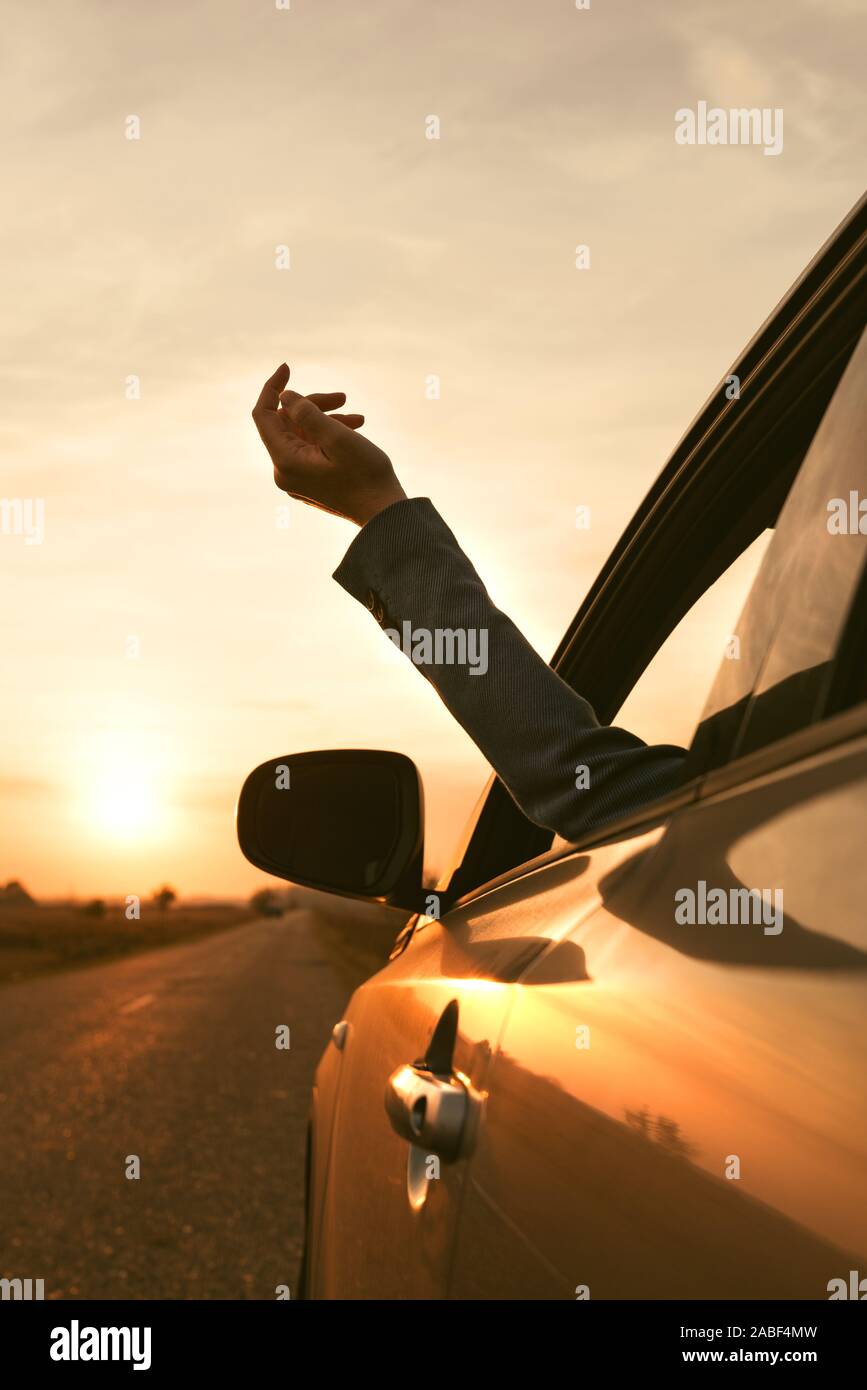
(799, 604)
(666, 703)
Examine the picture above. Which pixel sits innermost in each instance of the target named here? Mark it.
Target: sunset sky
(560, 388)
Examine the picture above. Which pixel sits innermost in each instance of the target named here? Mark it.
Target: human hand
(318, 455)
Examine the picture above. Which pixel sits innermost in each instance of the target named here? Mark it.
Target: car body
(560, 1086)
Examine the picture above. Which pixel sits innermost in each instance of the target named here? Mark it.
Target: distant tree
(95, 908)
(266, 903)
(16, 895)
(164, 897)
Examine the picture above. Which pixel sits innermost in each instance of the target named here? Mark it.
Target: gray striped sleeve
(565, 770)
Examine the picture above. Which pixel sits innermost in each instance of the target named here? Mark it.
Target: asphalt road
(169, 1056)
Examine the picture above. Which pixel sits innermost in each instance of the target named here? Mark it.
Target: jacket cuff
(384, 563)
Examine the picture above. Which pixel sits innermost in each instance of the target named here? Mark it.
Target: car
(633, 1066)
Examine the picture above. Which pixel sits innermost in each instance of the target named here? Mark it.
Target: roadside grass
(41, 938)
(357, 937)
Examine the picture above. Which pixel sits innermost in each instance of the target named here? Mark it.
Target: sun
(124, 803)
(121, 789)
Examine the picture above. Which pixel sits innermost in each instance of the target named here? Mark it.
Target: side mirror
(349, 821)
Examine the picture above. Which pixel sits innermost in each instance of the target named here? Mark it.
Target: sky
(168, 634)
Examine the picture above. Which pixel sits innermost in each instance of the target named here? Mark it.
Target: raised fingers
(310, 418)
(327, 401)
(303, 412)
(352, 422)
(269, 396)
(265, 409)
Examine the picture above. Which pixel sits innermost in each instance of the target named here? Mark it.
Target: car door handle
(435, 1113)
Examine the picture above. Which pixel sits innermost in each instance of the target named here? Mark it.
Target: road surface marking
(140, 1003)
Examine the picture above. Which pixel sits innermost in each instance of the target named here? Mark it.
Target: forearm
(565, 770)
